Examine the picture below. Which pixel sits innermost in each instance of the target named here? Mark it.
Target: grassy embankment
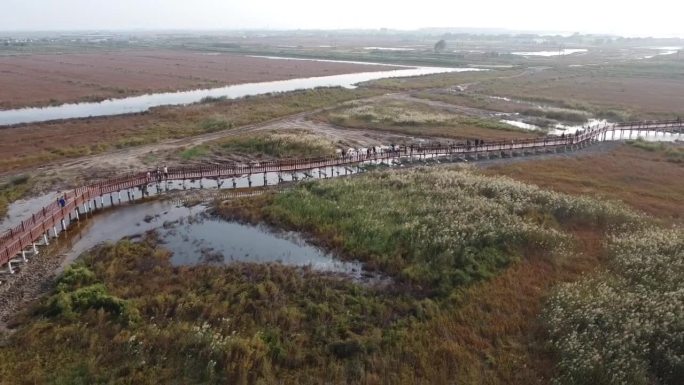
(471, 258)
(14, 189)
(263, 145)
(439, 81)
(545, 116)
(421, 120)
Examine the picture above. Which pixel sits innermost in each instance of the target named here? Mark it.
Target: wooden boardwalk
(21, 242)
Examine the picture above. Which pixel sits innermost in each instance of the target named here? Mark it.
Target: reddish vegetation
(49, 79)
(496, 332)
(642, 92)
(645, 180)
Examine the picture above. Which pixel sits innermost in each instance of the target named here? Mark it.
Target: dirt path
(132, 159)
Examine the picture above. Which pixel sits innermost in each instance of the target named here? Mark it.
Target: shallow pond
(194, 236)
(136, 104)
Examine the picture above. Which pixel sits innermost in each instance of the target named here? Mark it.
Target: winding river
(142, 103)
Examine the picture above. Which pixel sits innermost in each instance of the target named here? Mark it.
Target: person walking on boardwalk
(166, 172)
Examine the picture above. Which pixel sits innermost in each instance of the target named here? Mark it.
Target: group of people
(62, 200)
(161, 173)
(475, 142)
(374, 150)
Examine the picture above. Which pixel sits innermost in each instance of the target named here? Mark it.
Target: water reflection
(194, 236)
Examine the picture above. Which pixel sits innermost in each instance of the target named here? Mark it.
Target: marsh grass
(672, 152)
(126, 315)
(287, 144)
(435, 229)
(275, 144)
(420, 120)
(445, 237)
(624, 326)
(643, 179)
(12, 190)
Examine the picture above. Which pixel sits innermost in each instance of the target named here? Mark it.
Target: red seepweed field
(43, 79)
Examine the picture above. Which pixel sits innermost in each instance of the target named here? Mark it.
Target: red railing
(29, 230)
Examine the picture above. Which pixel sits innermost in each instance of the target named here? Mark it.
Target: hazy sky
(626, 17)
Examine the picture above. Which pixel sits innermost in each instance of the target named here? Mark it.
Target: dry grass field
(646, 180)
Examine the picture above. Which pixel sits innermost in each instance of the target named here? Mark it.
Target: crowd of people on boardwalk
(159, 175)
(405, 149)
(408, 149)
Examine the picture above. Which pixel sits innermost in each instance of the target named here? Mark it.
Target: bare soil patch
(31, 80)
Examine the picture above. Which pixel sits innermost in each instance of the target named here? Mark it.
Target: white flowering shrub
(626, 325)
(438, 227)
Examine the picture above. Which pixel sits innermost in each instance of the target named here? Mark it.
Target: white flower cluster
(626, 325)
(451, 225)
